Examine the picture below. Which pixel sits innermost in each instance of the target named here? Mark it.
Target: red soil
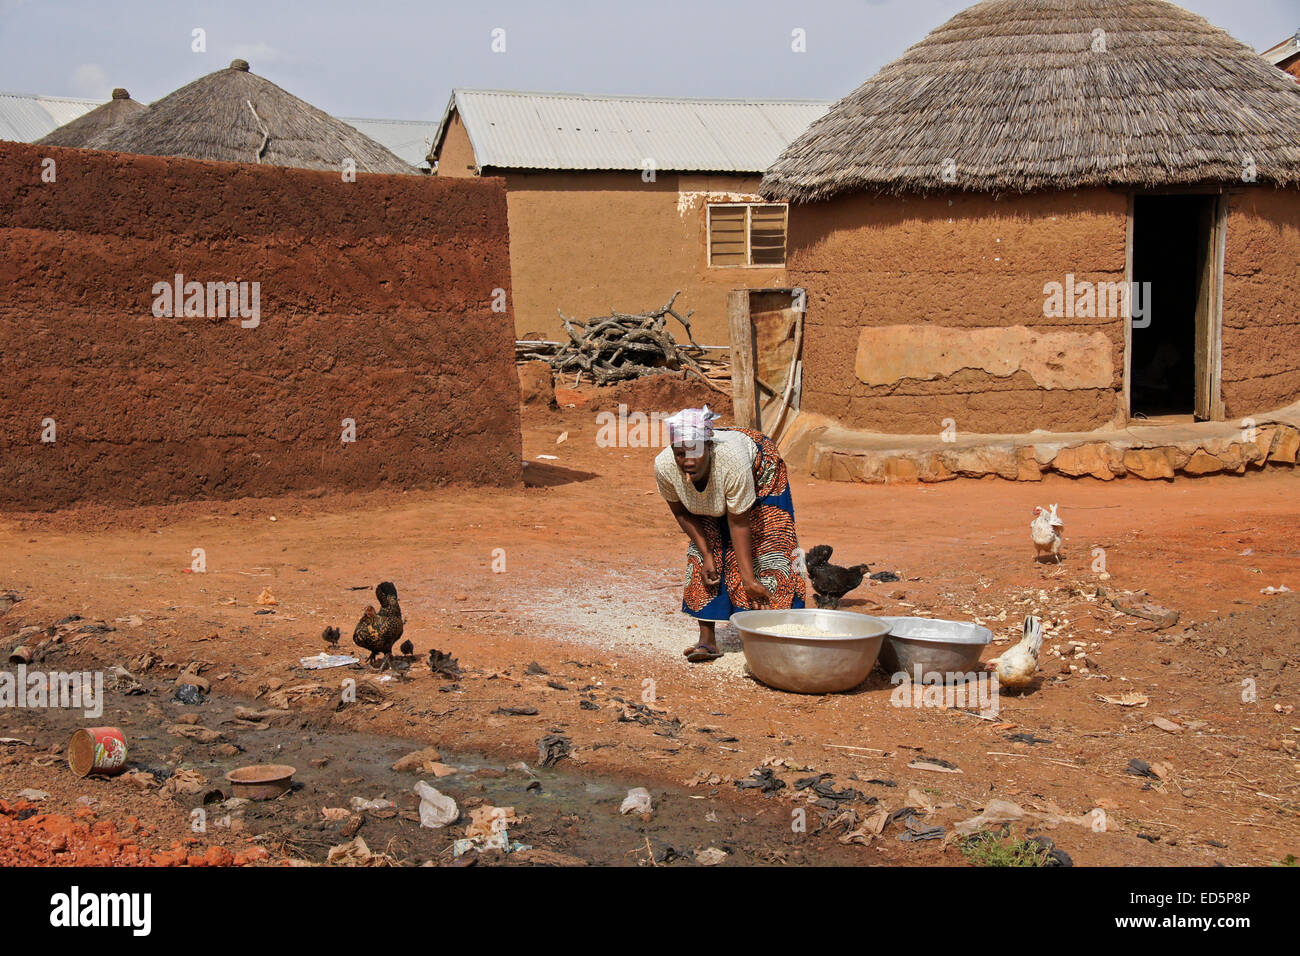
(593, 563)
(31, 838)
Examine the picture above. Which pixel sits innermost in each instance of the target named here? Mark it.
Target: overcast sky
(389, 59)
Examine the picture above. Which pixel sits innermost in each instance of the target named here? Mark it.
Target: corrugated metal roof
(25, 116)
(1284, 50)
(409, 139)
(518, 130)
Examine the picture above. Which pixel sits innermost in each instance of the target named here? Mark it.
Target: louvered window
(743, 235)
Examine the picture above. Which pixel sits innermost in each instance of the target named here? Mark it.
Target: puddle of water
(570, 812)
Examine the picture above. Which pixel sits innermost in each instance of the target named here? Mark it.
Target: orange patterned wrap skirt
(771, 523)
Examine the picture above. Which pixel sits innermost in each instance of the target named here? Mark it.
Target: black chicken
(331, 637)
(378, 631)
(831, 582)
(407, 648)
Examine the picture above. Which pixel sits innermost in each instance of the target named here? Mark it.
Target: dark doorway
(1172, 345)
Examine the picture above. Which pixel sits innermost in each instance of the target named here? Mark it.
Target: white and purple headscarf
(691, 425)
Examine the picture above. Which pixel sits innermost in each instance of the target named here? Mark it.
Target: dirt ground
(578, 574)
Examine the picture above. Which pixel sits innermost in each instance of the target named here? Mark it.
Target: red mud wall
(1261, 302)
(375, 305)
(964, 262)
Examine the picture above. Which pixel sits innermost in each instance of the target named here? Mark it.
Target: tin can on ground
(100, 751)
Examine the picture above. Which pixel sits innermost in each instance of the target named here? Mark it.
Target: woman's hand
(688, 523)
(710, 569)
(758, 595)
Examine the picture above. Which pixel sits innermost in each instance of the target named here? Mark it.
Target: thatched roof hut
(962, 215)
(81, 130)
(1020, 95)
(234, 115)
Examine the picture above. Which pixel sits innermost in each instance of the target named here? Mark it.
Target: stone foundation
(825, 450)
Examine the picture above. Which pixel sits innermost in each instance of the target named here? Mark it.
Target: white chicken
(1016, 667)
(1045, 530)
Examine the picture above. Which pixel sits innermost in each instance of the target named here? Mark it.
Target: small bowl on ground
(261, 781)
(951, 648)
(782, 654)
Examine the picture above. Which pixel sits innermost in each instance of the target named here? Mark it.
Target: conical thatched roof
(85, 127)
(1017, 95)
(236, 116)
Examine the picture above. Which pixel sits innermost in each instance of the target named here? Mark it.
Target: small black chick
(378, 632)
(331, 637)
(407, 648)
(831, 582)
(444, 665)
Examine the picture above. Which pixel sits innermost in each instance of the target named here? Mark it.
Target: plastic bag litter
(323, 660)
(185, 781)
(188, 694)
(917, 831)
(437, 810)
(487, 821)
(637, 801)
(353, 853)
(1004, 811)
(356, 853)
(499, 842)
(996, 811)
(361, 803)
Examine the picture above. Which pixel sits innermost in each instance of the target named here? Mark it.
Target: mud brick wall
(375, 305)
(981, 263)
(957, 264)
(585, 242)
(1261, 302)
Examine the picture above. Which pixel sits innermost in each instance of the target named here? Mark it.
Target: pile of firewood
(622, 346)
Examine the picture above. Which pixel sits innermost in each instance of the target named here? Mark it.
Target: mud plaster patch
(1071, 360)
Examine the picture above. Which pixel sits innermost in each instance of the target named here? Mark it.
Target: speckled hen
(378, 631)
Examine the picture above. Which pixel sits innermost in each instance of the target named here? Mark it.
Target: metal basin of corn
(809, 650)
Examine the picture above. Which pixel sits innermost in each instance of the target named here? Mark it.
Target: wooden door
(1209, 309)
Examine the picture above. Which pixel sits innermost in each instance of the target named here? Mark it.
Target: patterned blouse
(731, 478)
